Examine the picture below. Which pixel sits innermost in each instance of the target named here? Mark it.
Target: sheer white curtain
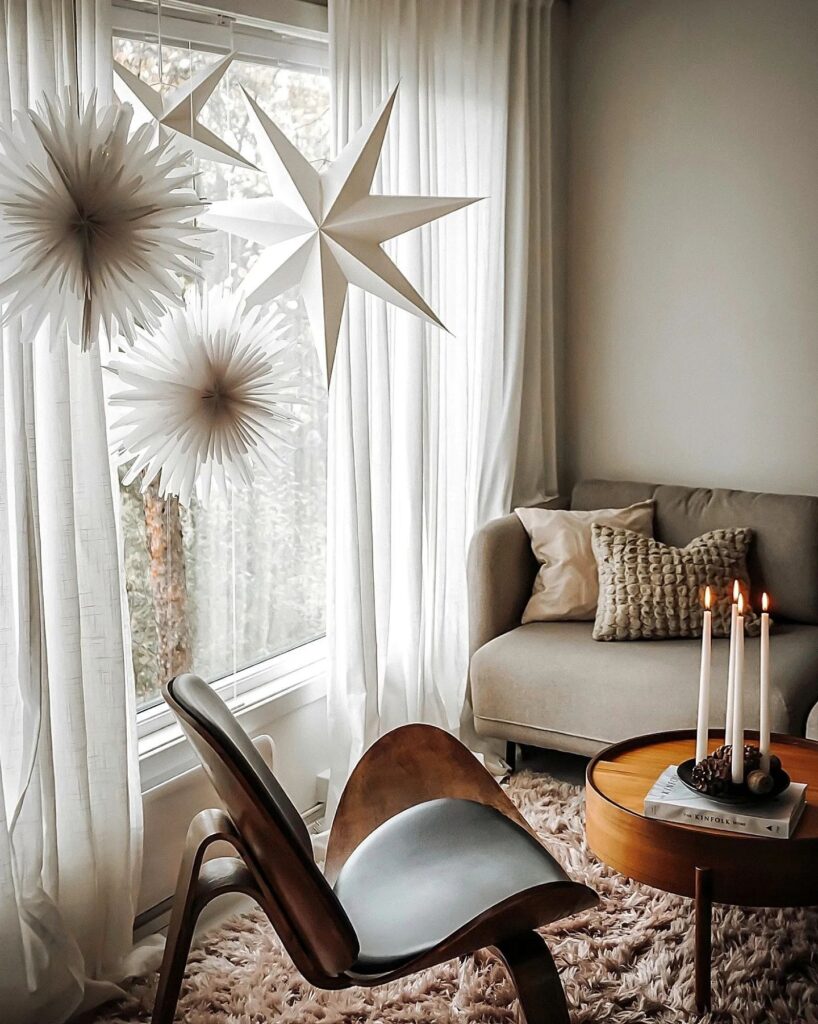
(69, 792)
(432, 434)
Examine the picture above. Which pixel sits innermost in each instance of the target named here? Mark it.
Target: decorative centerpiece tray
(734, 794)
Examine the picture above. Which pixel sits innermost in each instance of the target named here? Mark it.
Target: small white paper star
(178, 113)
(323, 230)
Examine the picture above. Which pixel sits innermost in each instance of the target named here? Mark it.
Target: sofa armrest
(501, 572)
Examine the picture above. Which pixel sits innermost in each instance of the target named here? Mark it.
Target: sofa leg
(539, 989)
(511, 756)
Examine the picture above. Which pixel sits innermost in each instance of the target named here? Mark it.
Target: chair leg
(177, 946)
(198, 884)
(530, 964)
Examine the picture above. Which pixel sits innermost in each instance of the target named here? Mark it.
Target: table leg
(704, 926)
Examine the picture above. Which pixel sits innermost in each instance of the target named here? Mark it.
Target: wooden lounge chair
(428, 860)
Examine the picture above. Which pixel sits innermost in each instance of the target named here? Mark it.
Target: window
(233, 585)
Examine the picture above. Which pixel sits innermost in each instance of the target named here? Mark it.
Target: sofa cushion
(783, 556)
(552, 677)
(653, 591)
(566, 587)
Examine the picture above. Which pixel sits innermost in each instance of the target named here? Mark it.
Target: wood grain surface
(746, 870)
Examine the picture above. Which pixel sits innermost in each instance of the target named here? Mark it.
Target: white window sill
(264, 694)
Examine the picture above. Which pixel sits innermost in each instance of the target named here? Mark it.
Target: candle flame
(741, 604)
(736, 591)
(765, 602)
(707, 598)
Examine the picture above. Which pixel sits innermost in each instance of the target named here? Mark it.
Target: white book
(671, 800)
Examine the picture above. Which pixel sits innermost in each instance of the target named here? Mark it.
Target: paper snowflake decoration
(323, 230)
(95, 226)
(208, 398)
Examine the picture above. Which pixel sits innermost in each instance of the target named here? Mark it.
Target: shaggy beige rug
(628, 961)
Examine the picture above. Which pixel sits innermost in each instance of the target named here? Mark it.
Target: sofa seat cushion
(552, 678)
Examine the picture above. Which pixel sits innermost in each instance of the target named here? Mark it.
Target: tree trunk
(163, 527)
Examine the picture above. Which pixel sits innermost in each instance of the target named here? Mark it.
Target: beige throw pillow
(653, 591)
(567, 586)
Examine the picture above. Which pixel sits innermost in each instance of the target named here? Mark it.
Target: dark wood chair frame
(398, 772)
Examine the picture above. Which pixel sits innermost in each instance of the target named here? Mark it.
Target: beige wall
(692, 335)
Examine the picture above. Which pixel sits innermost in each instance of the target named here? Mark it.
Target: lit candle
(704, 681)
(738, 697)
(731, 664)
(764, 697)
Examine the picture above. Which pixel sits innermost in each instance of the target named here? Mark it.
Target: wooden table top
(747, 870)
(625, 773)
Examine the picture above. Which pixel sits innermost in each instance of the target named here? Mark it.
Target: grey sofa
(551, 685)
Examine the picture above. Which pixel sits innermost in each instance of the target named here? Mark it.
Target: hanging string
(190, 103)
(233, 617)
(88, 298)
(77, 58)
(159, 45)
(230, 170)
(229, 176)
(169, 596)
(199, 282)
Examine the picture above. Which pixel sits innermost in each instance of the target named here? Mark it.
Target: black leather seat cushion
(430, 870)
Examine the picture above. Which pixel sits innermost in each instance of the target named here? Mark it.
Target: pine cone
(723, 753)
(752, 757)
(712, 775)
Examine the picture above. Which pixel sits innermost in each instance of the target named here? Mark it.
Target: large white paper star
(324, 229)
(178, 113)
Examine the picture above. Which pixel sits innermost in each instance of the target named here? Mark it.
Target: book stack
(671, 800)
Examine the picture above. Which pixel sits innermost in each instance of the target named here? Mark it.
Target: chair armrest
(501, 572)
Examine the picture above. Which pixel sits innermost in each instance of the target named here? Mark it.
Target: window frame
(290, 33)
(262, 681)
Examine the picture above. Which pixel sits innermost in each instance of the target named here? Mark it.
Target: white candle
(738, 698)
(731, 664)
(764, 696)
(704, 682)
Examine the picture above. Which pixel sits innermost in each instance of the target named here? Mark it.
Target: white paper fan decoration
(208, 398)
(94, 226)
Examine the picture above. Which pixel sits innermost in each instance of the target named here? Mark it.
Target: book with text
(671, 800)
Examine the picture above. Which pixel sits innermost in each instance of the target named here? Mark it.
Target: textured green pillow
(652, 591)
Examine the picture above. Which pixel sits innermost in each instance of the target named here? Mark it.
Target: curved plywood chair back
(304, 909)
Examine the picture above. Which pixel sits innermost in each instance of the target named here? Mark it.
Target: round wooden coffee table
(705, 864)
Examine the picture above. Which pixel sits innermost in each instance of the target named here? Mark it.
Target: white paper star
(324, 229)
(178, 113)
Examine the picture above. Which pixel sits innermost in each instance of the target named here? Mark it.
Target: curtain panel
(432, 434)
(70, 803)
